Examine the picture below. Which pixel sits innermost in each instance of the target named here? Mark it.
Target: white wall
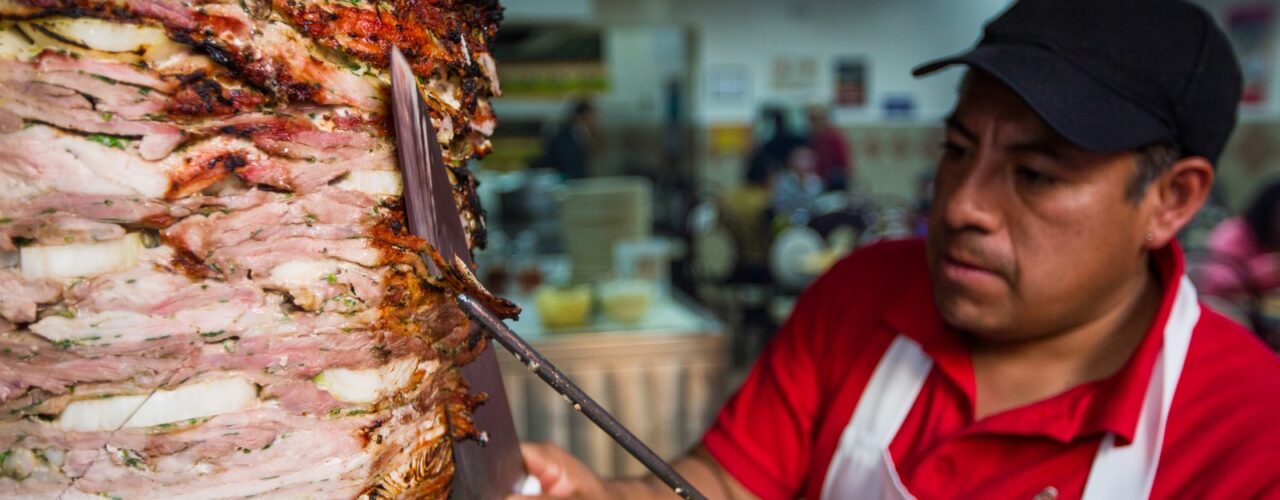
(893, 35)
(641, 59)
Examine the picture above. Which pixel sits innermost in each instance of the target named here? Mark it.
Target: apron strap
(862, 467)
(860, 460)
(1130, 471)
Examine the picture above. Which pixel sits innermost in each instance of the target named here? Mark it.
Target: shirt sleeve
(844, 154)
(763, 435)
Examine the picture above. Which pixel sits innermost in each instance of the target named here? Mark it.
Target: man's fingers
(559, 474)
(541, 462)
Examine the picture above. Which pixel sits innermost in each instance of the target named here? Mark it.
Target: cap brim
(1074, 104)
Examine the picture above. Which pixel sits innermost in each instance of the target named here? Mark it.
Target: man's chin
(975, 318)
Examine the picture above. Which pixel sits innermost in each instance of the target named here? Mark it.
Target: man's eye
(1033, 176)
(951, 150)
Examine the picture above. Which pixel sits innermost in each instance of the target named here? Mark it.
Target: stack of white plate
(597, 214)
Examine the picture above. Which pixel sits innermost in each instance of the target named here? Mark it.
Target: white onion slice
(368, 385)
(108, 36)
(80, 259)
(198, 400)
(372, 182)
(129, 43)
(42, 39)
(13, 45)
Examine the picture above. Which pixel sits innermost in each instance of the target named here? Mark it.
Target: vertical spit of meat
(206, 287)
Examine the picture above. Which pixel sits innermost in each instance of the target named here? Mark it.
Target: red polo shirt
(777, 435)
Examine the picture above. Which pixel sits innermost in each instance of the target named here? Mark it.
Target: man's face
(1029, 234)
(802, 160)
(817, 119)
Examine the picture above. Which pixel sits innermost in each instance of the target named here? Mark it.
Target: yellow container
(563, 307)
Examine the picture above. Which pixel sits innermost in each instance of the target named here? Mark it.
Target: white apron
(863, 469)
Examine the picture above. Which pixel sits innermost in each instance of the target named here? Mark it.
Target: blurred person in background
(771, 155)
(1043, 341)
(797, 185)
(569, 149)
(747, 211)
(1242, 265)
(1243, 258)
(834, 162)
(918, 218)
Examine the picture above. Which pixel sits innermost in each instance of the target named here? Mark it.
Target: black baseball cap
(1115, 75)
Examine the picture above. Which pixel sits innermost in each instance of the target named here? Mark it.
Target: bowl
(626, 301)
(563, 307)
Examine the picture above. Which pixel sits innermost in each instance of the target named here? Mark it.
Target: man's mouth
(968, 271)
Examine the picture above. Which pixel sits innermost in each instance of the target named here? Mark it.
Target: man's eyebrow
(1043, 146)
(953, 123)
(1047, 146)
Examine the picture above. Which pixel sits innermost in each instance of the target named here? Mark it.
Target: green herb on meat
(109, 141)
(131, 459)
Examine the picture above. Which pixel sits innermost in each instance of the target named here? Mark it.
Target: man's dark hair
(1261, 217)
(1152, 160)
(582, 107)
(777, 117)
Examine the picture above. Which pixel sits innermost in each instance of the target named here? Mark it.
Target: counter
(663, 377)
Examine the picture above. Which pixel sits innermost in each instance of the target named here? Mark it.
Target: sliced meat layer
(45, 160)
(65, 108)
(22, 296)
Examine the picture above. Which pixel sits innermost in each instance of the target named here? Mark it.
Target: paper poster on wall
(851, 82)
(728, 84)
(1252, 31)
(795, 73)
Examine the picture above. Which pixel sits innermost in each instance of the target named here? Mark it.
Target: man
(797, 184)
(770, 157)
(835, 164)
(1043, 342)
(569, 150)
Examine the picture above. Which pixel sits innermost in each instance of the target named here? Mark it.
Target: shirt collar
(1110, 405)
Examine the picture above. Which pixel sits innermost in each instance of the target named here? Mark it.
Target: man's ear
(1174, 197)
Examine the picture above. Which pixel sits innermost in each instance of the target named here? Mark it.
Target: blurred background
(668, 175)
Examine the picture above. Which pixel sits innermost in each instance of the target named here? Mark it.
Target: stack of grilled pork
(206, 286)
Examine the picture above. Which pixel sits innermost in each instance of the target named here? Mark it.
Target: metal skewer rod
(580, 400)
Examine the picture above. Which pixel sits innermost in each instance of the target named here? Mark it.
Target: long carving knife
(444, 232)
(432, 211)
(490, 467)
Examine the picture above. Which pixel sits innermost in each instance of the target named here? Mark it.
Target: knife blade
(490, 467)
(438, 215)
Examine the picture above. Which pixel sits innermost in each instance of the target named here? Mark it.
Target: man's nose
(973, 198)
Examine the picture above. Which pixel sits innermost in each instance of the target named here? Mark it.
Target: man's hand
(560, 474)
(564, 477)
